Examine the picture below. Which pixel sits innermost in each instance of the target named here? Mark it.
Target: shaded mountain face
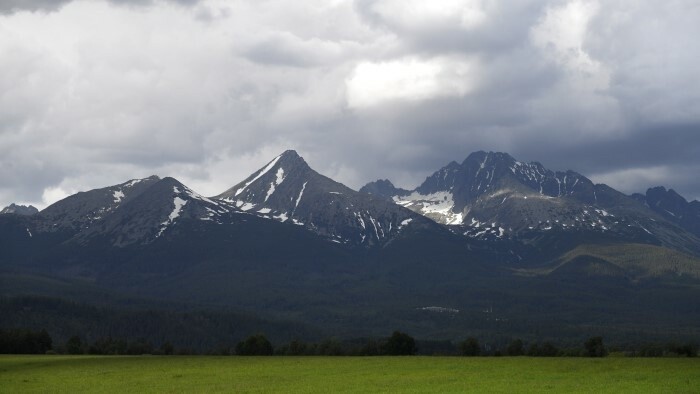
(493, 196)
(384, 188)
(19, 210)
(156, 212)
(80, 210)
(288, 190)
(137, 212)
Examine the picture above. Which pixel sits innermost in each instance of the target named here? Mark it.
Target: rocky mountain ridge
(286, 190)
(490, 195)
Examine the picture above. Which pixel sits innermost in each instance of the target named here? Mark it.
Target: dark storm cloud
(12, 6)
(363, 89)
(665, 154)
(289, 50)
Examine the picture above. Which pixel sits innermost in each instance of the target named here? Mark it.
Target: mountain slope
(629, 261)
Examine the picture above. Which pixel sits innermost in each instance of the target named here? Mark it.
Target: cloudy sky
(93, 93)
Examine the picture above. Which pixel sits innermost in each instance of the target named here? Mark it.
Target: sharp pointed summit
(288, 190)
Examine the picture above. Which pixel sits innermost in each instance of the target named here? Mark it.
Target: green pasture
(203, 374)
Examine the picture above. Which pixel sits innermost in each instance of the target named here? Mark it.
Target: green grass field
(99, 374)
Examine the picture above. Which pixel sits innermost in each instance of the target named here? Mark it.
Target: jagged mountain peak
(383, 188)
(488, 157)
(492, 195)
(286, 172)
(23, 210)
(673, 207)
(485, 173)
(668, 201)
(661, 191)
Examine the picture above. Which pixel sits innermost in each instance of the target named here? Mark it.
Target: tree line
(25, 341)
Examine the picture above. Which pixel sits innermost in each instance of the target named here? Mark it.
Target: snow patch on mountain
(437, 206)
(282, 217)
(405, 223)
(279, 178)
(132, 182)
(374, 224)
(118, 195)
(197, 196)
(301, 193)
(240, 204)
(262, 172)
(178, 203)
(360, 220)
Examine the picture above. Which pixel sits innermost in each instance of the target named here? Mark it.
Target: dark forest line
(26, 341)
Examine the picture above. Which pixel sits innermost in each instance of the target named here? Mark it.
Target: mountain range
(489, 247)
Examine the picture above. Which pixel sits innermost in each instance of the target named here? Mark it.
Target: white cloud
(53, 194)
(561, 35)
(651, 51)
(409, 79)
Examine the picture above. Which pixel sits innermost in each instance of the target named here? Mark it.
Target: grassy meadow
(139, 374)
